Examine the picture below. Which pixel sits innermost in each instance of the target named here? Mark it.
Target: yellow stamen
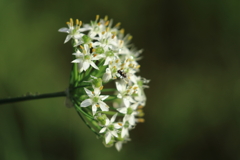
(129, 38)
(122, 31)
(120, 124)
(81, 47)
(118, 24)
(113, 36)
(138, 66)
(141, 120)
(101, 87)
(97, 17)
(80, 23)
(140, 113)
(140, 107)
(106, 23)
(90, 45)
(77, 21)
(97, 105)
(103, 32)
(71, 21)
(107, 29)
(105, 18)
(135, 88)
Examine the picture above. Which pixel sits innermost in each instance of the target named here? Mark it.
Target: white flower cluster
(103, 54)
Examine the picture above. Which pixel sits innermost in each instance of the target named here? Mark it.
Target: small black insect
(91, 49)
(122, 74)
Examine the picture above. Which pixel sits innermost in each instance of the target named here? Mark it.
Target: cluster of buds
(104, 87)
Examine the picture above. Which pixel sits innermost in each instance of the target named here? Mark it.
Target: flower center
(87, 57)
(111, 127)
(129, 111)
(95, 99)
(86, 39)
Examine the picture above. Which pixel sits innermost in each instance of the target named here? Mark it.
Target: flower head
(104, 54)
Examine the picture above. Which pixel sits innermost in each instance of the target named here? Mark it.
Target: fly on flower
(102, 53)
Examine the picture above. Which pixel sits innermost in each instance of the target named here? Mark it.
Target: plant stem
(32, 97)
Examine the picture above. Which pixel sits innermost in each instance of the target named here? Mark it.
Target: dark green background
(191, 54)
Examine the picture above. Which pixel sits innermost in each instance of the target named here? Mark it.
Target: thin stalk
(33, 97)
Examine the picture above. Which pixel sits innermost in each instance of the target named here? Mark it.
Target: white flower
(85, 58)
(124, 93)
(110, 128)
(125, 127)
(95, 100)
(73, 31)
(130, 113)
(107, 75)
(105, 40)
(118, 144)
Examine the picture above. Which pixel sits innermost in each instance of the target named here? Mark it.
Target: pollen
(120, 124)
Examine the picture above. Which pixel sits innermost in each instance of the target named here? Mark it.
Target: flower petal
(102, 130)
(118, 145)
(122, 110)
(108, 137)
(94, 109)
(114, 133)
(86, 103)
(64, 30)
(85, 65)
(94, 65)
(67, 38)
(103, 97)
(89, 93)
(103, 106)
(113, 117)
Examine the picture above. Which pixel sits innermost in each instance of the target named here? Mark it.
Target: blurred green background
(191, 54)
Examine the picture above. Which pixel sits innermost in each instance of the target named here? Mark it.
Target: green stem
(33, 97)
